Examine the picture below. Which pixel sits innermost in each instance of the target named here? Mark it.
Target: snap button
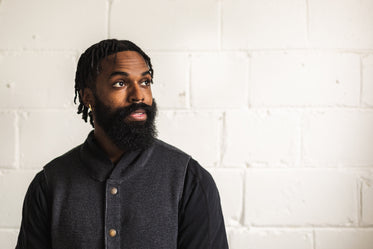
(112, 232)
(114, 191)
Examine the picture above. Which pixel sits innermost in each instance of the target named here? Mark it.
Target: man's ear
(87, 97)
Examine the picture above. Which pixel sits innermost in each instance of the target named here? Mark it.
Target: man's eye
(145, 83)
(119, 84)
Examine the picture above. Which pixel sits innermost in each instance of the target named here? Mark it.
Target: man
(122, 188)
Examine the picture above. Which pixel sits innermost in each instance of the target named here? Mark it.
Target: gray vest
(134, 204)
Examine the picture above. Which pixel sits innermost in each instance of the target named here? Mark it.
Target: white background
(274, 98)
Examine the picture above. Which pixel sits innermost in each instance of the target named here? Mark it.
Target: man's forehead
(124, 59)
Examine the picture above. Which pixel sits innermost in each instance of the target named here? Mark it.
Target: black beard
(127, 135)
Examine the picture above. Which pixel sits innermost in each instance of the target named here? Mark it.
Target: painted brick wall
(274, 98)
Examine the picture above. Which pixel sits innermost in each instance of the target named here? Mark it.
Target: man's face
(124, 79)
(124, 107)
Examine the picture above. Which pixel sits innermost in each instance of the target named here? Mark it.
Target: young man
(122, 188)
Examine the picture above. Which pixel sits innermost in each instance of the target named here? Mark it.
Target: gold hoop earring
(90, 107)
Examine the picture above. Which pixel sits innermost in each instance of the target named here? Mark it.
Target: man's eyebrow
(118, 73)
(146, 72)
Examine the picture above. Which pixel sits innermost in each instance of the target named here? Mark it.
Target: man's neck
(111, 150)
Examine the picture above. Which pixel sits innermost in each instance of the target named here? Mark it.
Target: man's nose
(135, 95)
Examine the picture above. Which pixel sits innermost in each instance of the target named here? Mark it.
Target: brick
(45, 135)
(8, 238)
(305, 79)
(219, 80)
(31, 79)
(166, 24)
(197, 133)
(263, 24)
(299, 197)
(367, 96)
(338, 138)
(367, 201)
(52, 25)
(13, 185)
(271, 239)
(343, 238)
(349, 25)
(230, 185)
(171, 76)
(8, 140)
(262, 138)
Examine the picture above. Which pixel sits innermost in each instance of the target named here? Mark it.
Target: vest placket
(112, 215)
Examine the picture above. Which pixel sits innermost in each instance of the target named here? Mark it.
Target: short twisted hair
(89, 66)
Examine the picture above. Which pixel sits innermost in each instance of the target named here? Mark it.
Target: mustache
(126, 111)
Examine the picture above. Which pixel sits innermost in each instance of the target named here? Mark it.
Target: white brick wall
(38, 24)
(230, 185)
(171, 73)
(197, 133)
(348, 132)
(45, 135)
(275, 98)
(341, 24)
(296, 197)
(258, 24)
(13, 185)
(165, 24)
(367, 97)
(367, 201)
(8, 238)
(219, 80)
(261, 138)
(271, 239)
(8, 140)
(305, 79)
(344, 238)
(29, 81)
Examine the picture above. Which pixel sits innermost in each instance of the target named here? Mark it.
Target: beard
(127, 135)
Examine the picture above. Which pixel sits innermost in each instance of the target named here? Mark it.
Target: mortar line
(313, 238)
(360, 202)
(223, 135)
(243, 208)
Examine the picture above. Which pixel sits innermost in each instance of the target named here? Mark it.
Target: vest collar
(99, 166)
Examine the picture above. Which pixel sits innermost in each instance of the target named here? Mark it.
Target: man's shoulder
(168, 148)
(194, 169)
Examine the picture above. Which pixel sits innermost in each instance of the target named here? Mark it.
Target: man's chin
(134, 123)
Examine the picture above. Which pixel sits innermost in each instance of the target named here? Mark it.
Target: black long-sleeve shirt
(199, 218)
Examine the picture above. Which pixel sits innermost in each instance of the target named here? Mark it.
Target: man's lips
(138, 115)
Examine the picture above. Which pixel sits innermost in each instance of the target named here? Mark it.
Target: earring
(90, 107)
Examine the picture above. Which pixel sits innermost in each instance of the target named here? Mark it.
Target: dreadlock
(89, 66)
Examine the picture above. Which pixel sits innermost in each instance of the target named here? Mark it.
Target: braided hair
(89, 66)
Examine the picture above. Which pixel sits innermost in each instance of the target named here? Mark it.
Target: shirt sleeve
(201, 223)
(35, 228)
